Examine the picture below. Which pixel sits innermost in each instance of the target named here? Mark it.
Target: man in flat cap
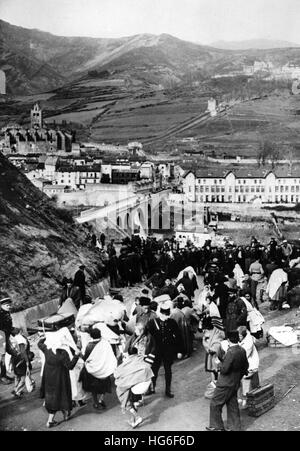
(168, 344)
(5, 331)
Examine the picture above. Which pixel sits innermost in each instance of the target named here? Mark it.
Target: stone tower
(2, 82)
(36, 116)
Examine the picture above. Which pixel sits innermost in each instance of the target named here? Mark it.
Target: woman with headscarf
(238, 275)
(56, 382)
(141, 342)
(100, 363)
(188, 278)
(277, 288)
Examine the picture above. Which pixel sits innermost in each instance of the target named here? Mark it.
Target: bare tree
(268, 151)
(289, 156)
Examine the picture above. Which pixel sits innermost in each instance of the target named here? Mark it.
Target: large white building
(242, 185)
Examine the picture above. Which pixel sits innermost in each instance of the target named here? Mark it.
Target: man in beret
(5, 331)
(234, 365)
(168, 345)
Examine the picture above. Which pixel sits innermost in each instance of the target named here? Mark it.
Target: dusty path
(188, 411)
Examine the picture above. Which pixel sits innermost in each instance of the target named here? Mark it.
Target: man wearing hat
(232, 369)
(5, 331)
(236, 311)
(79, 281)
(168, 344)
(146, 314)
(70, 291)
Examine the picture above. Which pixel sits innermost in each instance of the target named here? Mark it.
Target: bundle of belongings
(133, 376)
(105, 315)
(282, 336)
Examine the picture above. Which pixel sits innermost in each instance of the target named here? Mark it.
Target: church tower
(2, 82)
(36, 117)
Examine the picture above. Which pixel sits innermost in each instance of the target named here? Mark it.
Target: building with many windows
(242, 185)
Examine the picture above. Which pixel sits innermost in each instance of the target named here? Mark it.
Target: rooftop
(279, 171)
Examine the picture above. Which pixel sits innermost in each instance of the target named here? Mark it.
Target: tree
(268, 151)
(289, 156)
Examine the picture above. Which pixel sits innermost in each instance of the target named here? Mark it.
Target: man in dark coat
(236, 311)
(70, 291)
(169, 289)
(168, 345)
(102, 240)
(79, 281)
(6, 328)
(112, 266)
(233, 367)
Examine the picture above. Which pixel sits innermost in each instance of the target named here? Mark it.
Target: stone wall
(29, 317)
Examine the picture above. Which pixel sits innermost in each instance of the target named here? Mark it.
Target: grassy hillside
(39, 243)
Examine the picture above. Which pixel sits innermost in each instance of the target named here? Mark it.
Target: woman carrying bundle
(56, 382)
(100, 363)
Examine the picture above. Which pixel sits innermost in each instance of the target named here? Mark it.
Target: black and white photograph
(149, 218)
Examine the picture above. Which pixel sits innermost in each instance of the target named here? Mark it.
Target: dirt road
(188, 411)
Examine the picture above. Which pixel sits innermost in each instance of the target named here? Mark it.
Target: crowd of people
(248, 266)
(129, 343)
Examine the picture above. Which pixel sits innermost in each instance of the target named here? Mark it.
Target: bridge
(139, 212)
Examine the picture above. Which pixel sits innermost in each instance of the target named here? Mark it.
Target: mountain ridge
(250, 44)
(37, 61)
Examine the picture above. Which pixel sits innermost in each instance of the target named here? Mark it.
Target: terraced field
(119, 110)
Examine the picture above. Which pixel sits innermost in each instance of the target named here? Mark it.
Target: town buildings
(242, 186)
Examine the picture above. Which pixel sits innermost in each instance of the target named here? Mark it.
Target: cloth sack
(102, 362)
(210, 390)
(29, 382)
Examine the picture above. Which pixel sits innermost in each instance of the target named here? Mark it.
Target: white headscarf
(190, 270)
(61, 339)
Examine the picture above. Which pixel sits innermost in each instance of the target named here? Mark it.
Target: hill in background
(253, 44)
(149, 88)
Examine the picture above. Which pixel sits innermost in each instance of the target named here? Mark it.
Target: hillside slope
(39, 243)
(36, 61)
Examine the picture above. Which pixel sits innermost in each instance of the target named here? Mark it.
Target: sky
(202, 21)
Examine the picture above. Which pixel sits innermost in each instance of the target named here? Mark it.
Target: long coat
(236, 315)
(79, 281)
(184, 329)
(167, 338)
(73, 292)
(56, 382)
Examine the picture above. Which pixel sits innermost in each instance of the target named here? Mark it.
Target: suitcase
(56, 321)
(260, 400)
